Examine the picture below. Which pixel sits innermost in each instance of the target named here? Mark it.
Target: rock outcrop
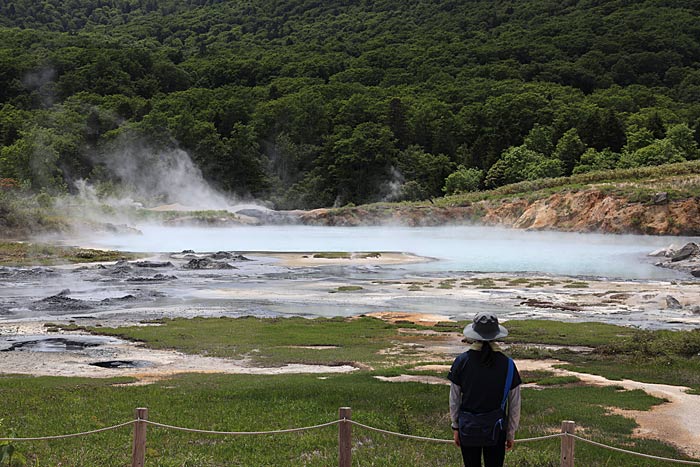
(686, 258)
(206, 263)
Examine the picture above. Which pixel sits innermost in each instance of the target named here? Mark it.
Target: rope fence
(344, 422)
(243, 433)
(400, 435)
(72, 435)
(539, 438)
(648, 456)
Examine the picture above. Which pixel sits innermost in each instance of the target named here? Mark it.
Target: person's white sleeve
(513, 412)
(455, 402)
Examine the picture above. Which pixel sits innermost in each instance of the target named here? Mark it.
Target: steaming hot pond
(458, 248)
(516, 274)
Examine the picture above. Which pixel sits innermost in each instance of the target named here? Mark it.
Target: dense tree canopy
(311, 103)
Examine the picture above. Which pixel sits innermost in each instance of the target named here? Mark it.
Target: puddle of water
(43, 343)
(119, 364)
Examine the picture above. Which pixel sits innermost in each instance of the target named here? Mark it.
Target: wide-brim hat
(485, 328)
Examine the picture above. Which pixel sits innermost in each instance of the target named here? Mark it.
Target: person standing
(484, 382)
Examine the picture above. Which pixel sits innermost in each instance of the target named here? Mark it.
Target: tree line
(314, 103)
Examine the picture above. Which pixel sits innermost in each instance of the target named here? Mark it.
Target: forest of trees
(311, 103)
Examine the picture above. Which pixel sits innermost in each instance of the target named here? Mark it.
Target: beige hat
(485, 328)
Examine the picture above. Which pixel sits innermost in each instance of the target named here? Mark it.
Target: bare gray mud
(189, 284)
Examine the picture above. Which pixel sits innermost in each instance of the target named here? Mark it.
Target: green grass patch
(368, 255)
(271, 341)
(622, 182)
(332, 255)
(559, 333)
(25, 254)
(480, 283)
(547, 378)
(203, 216)
(670, 357)
(651, 356)
(558, 380)
(518, 281)
(347, 288)
(530, 282)
(346, 255)
(576, 285)
(277, 341)
(533, 376)
(667, 370)
(535, 284)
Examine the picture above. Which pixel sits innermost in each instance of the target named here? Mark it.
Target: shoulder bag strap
(509, 381)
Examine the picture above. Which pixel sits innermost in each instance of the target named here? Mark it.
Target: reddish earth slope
(575, 211)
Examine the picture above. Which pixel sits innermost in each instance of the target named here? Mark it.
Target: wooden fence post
(567, 444)
(138, 453)
(344, 437)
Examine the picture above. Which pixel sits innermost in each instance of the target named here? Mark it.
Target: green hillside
(312, 103)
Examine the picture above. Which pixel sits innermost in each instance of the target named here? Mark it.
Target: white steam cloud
(392, 188)
(42, 81)
(164, 177)
(137, 177)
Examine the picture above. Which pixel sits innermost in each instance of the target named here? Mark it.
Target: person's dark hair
(486, 354)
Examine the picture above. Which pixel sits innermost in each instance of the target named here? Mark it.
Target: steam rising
(164, 177)
(392, 189)
(42, 82)
(137, 176)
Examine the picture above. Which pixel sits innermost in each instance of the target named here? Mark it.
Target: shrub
(659, 152)
(463, 180)
(520, 163)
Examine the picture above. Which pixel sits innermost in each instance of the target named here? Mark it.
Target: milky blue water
(455, 248)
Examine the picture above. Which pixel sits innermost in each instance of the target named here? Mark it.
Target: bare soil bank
(589, 210)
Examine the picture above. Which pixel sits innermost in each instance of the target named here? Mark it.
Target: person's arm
(513, 415)
(455, 402)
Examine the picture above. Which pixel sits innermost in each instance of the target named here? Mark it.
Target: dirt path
(676, 422)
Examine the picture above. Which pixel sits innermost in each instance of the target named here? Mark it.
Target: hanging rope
(243, 433)
(648, 456)
(73, 435)
(538, 438)
(437, 440)
(400, 435)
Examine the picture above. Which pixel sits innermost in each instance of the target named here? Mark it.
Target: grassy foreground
(41, 406)
(34, 406)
